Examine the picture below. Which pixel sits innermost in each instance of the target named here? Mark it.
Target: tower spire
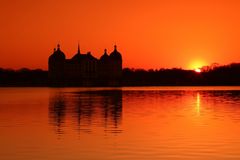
(58, 46)
(115, 47)
(78, 49)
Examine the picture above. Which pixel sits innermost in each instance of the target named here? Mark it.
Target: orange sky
(149, 33)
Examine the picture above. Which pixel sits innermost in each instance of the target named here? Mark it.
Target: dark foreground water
(120, 123)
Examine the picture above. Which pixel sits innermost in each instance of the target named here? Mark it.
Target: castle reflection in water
(84, 109)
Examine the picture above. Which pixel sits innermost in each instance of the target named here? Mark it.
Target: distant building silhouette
(85, 69)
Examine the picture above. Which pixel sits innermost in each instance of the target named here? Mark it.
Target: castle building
(85, 69)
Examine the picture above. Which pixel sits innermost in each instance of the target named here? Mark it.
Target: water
(120, 123)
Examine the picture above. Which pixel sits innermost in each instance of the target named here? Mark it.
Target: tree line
(213, 76)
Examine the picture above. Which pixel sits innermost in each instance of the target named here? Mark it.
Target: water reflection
(85, 110)
(155, 123)
(198, 103)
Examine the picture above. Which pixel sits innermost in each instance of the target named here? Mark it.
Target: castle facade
(85, 69)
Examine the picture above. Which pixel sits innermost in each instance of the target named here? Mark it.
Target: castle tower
(56, 63)
(104, 68)
(116, 67)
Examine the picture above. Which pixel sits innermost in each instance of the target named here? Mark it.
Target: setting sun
(198, 70)
(197, 65)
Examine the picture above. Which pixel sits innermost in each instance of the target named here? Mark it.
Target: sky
(149, 33)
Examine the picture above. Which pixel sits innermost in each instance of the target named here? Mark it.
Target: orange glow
(149, 33)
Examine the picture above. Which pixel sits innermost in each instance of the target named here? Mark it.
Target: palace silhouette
(85, 69)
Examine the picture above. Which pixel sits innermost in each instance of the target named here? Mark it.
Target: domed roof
(57, 54)
(105, 56)
(115, 54)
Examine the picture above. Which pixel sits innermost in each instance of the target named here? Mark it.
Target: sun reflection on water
(198, 104)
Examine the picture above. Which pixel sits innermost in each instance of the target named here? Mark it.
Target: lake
(140, 123)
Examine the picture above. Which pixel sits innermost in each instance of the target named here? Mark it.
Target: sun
(198, 70)
(197, 65)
